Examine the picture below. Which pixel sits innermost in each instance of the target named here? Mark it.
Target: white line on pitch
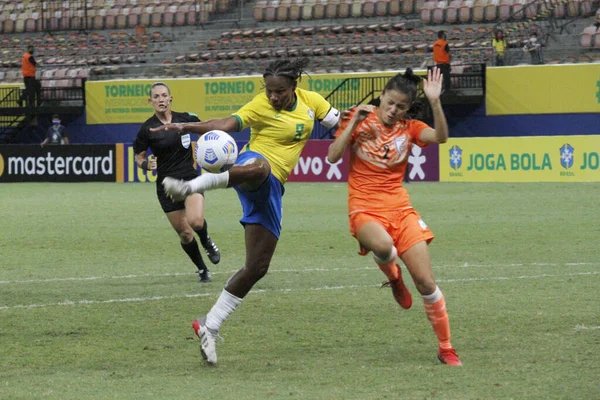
(178, 296)
(303, 270)
(584, 328)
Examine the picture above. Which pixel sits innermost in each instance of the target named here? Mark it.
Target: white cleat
(208, 341)
(176, 189)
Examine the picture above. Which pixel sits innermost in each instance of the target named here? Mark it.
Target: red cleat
(400, 291)
(449, 357)
(196, 327)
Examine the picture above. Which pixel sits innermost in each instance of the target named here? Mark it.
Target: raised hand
(432, 86)
(362, 111)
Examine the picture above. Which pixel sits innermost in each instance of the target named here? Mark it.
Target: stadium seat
(381, 8)
(394, 7)
(573, 8)
(426, 12)
(146, 16)
(332, 9)
(169, 15)
(258, 12)
(191, 16)
(357, 9)
(464, 12)
(31, 24)
(597, 39)
(518, 9)
(368, 8)
(587, 36)
(281, 10)
(504, 9)
(319, 9)
(133, 19)
(452, 11)
(20, 25)
(344, 8)
(271, 11)
(586, 8)
(408, 6)
(439, 11)
(479, 10)
(491, 10)
(8, 26)
(531, 10)
(295, 11)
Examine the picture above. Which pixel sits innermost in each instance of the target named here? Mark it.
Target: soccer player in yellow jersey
(281, 121)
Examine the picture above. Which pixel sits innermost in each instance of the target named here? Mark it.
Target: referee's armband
(332, 118)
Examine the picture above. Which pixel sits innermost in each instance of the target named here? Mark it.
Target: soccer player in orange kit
(382, 218)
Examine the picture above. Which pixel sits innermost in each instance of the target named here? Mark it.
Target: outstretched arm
(228, 124)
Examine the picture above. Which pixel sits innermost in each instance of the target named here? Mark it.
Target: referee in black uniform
(172, 156)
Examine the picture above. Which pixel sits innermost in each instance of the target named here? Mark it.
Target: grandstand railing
(10, 96)
(55, 14)
(354, 91)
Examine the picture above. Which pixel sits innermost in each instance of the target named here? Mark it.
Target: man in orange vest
(441, 58)
(32, 85)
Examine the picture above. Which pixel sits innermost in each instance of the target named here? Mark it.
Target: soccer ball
(216, 151)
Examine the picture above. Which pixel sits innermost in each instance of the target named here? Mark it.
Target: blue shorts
(262, 206)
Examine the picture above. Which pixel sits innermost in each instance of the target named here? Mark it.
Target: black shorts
(166, 203)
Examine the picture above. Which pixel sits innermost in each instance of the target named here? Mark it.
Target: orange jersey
(440, 52)
(378, 160)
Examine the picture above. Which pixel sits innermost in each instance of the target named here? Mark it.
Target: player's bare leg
(375, 238)
(418, 262)
(248, 177)
(260, 247)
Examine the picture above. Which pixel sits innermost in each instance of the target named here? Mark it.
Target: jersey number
(386, 149)
(299, 131)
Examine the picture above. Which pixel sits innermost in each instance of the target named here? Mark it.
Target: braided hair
(407, 83)
(291, 69)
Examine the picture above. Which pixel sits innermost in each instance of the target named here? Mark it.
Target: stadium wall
(508, 159)
(520, 101)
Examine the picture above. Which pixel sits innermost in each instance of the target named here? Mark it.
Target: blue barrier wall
(464, 121)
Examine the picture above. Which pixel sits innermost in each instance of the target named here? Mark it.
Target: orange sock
(389, 267)
(435, 308)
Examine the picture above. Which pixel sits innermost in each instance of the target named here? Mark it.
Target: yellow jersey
(499, 45)
(281, 135)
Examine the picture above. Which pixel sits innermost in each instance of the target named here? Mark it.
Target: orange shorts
(404, 226)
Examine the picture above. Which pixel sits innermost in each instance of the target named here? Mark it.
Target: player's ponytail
(291, 69)
(405, 83)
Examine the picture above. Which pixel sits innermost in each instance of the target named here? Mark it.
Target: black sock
(193, 252)
(203, 234)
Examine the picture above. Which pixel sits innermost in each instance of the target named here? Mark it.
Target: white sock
(225, 305)
(393, 256)
(433, 297)
(208, 181)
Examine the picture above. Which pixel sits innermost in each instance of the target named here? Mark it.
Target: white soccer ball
(216, 151)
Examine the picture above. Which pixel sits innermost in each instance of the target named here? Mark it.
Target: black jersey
(173, 150)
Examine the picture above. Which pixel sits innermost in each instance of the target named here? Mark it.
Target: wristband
(144, 165)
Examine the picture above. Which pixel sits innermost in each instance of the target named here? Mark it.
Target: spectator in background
(57, 133)
(32, 85)
(534, 48)
(500, 45)
(441, 58)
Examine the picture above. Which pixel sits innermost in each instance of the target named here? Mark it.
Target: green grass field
(97, 297)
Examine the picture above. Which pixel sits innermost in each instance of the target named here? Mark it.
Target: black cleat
(212, 251)
(204, 276)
